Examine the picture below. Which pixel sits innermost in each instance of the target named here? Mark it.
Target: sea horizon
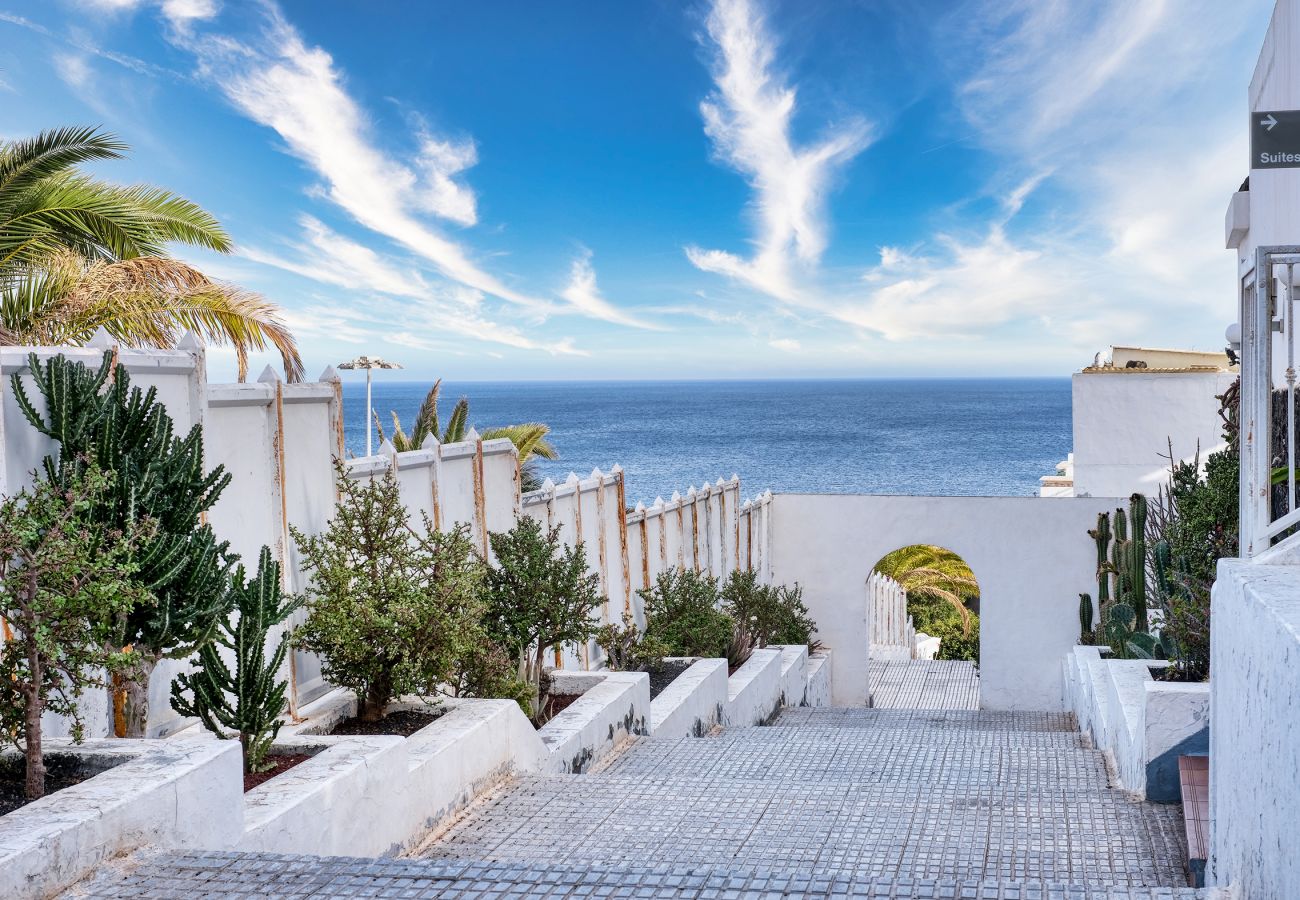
(937, 435)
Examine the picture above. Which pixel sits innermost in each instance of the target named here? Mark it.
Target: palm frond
(458, 424)
(529, 439)
(27, 161)
(426, 419)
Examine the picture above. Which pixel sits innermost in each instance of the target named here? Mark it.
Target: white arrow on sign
(1268, 122)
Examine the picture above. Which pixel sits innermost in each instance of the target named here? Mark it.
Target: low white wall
(180, 793)
(1032, 558)
(1144, 724)
(754, 691)
(1255, 744)
(606, 714)
(794, 674)
(693, 704)
(819, 679)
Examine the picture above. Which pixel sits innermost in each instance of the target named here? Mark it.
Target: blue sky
(654, 189)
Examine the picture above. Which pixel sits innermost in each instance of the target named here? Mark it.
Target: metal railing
(1268, 356)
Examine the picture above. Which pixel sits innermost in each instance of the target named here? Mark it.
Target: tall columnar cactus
(1137, 510)
(249, 700)
(1087, 612)
(1119, 567)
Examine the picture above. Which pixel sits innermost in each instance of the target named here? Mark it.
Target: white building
(1130, 409)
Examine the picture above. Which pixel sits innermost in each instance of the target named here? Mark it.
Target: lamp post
(368, 363)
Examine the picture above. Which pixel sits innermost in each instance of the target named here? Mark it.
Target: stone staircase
(845, 802)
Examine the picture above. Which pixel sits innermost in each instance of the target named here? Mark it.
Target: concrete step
(230, 875)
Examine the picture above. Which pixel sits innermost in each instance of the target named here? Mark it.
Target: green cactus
(247, 700)
(1085, 618)
(1137, 509)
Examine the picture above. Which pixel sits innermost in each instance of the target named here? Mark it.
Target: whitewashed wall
(279, 443)
(1125, 422)
(1031, 557)
(709, 529)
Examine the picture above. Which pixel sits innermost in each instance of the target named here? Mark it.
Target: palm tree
(933, 574)
(529, 438)
(77, 254)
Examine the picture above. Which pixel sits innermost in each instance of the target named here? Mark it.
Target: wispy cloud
(585, 297)
(281, 82)
(748, 117)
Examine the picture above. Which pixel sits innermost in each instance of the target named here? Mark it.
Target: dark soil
(557, 703)
(402, 723)
(279, 763)
(1170, 673)
(58, 777)
(665, 674)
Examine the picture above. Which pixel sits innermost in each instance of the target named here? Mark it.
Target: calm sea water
(882, 436)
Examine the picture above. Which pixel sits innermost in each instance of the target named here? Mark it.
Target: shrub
(98, 419)
(539, 595)
(682, 614)
(741, 646)
(391, 608)
(249, 700)
(774, 614)
(959, 643)
(627, 648)
(486, 670)
(61, 579)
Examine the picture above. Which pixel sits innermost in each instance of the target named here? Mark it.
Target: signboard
(1275, 139)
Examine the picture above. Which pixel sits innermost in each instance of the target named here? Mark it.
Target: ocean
(958, 436)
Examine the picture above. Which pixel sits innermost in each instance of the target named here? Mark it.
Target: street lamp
(368, 363)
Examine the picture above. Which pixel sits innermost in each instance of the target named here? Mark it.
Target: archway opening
(941, 600)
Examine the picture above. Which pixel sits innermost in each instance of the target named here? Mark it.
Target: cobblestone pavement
(924, 684)
(882, 793)
(827, 802)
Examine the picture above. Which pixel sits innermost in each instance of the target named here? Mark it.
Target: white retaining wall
(1031, 557)
(1254, 745)
(693, 704)
(161, 794)
(1144, 724)
(754, 691)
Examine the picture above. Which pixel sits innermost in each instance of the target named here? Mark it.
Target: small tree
(539, 595)
(391, 609)
(61, 578)
(99, 419)
(682, 614)
(249, 700)
(627, 649)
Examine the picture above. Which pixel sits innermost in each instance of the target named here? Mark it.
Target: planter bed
(174, 793)
(613, 707)
(668, 671)
(754, 690)
(278, 762)
(694, 704)
(1142, 723)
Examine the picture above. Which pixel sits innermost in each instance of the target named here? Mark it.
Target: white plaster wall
(169, 794)
(754, 691)
(693, 704)
(610, 712)
(1254, 744)
(1032, 558)
(794, 674)
(819, 679)
(1124, 423)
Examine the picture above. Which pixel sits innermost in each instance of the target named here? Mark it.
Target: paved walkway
(865, 802)
(924, 684)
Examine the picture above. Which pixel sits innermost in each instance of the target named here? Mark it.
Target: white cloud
(584, 296)
(748, 117)
(296, 90)
(178, 12)
(73, 70)
(786, 345)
